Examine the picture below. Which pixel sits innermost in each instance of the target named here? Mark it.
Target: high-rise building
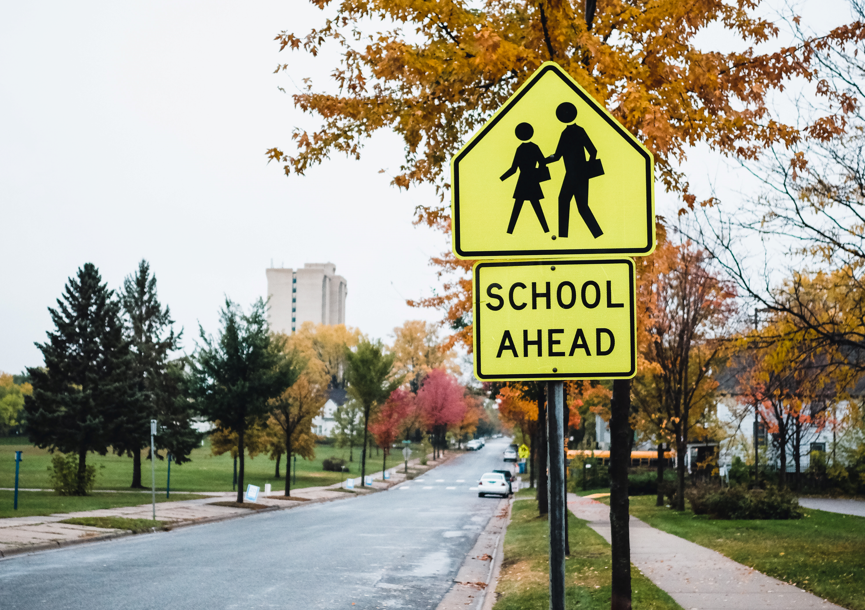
(311, 294)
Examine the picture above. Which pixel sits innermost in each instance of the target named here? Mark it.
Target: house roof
(338, 396)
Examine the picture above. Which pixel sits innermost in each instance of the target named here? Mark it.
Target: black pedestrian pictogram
(573, 145)
(529, 160)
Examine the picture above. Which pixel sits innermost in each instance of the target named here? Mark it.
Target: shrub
(646, 484)
(737, 502)
(63, 473)
(333, 464)
(739, 474)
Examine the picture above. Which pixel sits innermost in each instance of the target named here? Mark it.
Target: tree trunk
(363, 451)
(240, 452)
(287, 464)
(660, 499)
(533, 455)
(797, 456)
(620, 460)
(782, 447)
(543, 492)
(136, 470)
(383, 463)
(350, 451)
(278, 458)
(681, 450)
(82, 473)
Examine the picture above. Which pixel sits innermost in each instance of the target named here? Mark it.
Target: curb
(468, 590)
(48, 546)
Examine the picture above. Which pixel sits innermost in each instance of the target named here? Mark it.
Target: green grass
(206, 472)
(40, 503)
(136, 526)
(524, 580)
(823, 553)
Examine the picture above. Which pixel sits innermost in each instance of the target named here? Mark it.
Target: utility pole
(556, 489)
(168, 480)
(153, 465)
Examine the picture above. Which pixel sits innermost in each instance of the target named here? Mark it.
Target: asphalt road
(395, 549)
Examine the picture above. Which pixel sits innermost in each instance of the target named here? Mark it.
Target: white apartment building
(313, 293)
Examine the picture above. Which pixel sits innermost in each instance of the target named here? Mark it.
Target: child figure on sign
(533, 170)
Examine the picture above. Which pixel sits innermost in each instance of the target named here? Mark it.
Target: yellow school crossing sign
(554, 320)
(524, 451)
(552, 174)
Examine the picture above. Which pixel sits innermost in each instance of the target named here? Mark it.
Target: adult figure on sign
(529, 160)
(574, 143)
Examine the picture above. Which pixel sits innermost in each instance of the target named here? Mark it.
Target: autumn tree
(369, 374)
(294, 410)
(675, 387)
(518, 411)
(417, 350)
(442, 405)
(471, 420)
(386, 426)
(236, 374)
(324, 348)
(11, 401)
(86, 374)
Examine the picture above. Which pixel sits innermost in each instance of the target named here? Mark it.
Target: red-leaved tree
(385, 428)
(442, 404)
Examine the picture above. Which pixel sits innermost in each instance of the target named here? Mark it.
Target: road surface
(398, 549)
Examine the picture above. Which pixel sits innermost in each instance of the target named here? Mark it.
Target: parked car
(482, 441)
(509, 477)
(493, 483)
(473, 445)
(510, 455)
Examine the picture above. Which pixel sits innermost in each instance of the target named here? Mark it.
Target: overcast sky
(133, 130)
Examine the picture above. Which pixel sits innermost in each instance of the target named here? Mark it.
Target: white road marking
(428, 487)
(473, 488)
(461, 480)
(440, 480)
(404, 488)
(450, 488)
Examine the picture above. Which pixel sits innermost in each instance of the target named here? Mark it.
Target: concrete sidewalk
(835, 505)
(29, 534)
(696, 577)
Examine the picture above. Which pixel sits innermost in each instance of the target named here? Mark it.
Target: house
(325, 424)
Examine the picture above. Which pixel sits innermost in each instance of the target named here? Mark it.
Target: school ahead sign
(552, 174)
(550, 320)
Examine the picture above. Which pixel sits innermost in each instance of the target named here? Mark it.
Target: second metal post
(556, 490)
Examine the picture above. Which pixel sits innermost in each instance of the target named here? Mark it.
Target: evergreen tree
(159, 384)
(85, 374)
(237, 374)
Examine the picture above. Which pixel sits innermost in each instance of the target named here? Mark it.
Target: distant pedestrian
(574, 143)
(529, 160)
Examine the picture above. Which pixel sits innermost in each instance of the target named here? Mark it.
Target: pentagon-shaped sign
(552, 175)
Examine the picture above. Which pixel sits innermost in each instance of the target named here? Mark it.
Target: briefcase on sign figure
(594, 168)
(542, 173)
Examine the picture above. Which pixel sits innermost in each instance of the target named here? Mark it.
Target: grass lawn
(38, 503)
(823, 553)
(524, 580)
(206, 472)
(118, 523)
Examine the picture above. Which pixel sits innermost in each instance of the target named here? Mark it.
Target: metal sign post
(556, 488)
(406, 453)
(153, 465)
(17, 464)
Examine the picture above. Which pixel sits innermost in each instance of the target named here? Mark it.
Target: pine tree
(85, 374)
(159, 384)
(236, 375)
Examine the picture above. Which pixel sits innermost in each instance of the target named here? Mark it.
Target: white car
(493, 483)
(473, 445)
(510, 455)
